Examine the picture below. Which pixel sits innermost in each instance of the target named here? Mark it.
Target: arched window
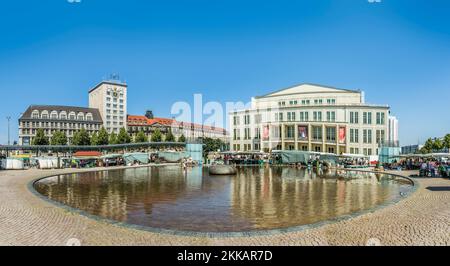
(35, 114)
(63, 115)
(44, 114)
(89, 117)
(54, 115)
(72, 116)
(80, 116)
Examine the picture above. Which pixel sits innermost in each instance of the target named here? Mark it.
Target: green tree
(437, 145)
(103, 137)
(428, 146)
(447, 141)
(123, 137)
(141, 137)
(81, 138)
(59, 138)
(94, 139)
(182, 139)
(212, 145)
(170, 137)
(156, 136)
(40, 139)
(113, 139)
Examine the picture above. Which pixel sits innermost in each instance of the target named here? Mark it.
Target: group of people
(434, 169)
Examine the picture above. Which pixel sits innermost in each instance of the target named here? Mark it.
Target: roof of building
(109, 82)
(307, 88)
(50, 108)
(143, 120)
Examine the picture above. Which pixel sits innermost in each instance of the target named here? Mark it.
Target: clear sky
(397, 51)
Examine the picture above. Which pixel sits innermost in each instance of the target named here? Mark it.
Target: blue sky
(397, 51)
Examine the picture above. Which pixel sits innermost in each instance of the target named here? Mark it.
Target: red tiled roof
(144, 121)
(87, 154)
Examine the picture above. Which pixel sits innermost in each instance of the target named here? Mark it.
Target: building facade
(311, 117)
(51, 118)
(393, 131)
(191, 131)
(110, 98)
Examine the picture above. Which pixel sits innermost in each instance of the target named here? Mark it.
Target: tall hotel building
(311, 117)
(110, 98)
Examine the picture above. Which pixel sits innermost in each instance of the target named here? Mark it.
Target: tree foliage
(59, 138)
(81, 138)
(94, 139)
(170, 137)
(113, 139)
(141, 137)
(212, 145)
(103, 137)
(156, 136)
(40, 139)
(182, 139)
(123, 137)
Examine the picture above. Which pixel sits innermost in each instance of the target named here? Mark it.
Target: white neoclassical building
(311, 117)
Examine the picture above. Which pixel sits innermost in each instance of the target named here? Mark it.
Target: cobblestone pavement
(25, 219)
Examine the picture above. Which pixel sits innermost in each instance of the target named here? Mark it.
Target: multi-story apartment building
(110, 98)
(51, 118)
(311, 117)
(191, 131)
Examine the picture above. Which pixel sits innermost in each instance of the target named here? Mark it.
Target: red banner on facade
(266, 131)
(342, 135)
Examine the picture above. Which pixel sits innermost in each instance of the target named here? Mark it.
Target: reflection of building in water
(271, 197)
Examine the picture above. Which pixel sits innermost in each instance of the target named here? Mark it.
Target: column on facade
(309, 137)
(337, 140)
(324, 137)
(283, 144)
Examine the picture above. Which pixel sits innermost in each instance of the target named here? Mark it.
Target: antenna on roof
(114, 76)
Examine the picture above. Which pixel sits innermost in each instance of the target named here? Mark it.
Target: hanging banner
(303, 132)
(342, 135)
(266, 131)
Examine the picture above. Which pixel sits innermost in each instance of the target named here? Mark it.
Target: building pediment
(307, 89)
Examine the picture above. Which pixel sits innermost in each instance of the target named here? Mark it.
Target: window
(247, 120)
(317, 133)
(331, 116)
(257, 133)
(354, 118)
(247, 134)
(367, 118)
(304, 116)
(354, 135)
(54, 115)
(89, 117)
(291, 116)
(331, 134)
(80, 116)
(35, 114)
(367, 136)
(317, 116)
(380, 118)
(44, 115)
(236, 120)
(290, 132)
(276, 132)
(380, 135)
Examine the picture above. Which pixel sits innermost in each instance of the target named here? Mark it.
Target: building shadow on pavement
(438, 189)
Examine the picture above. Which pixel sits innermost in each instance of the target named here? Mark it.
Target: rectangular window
(317, 116)
(317, 133)
(331, 134)
(290, 131)
(331, 116)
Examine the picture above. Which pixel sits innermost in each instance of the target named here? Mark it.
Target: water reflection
(257, 198)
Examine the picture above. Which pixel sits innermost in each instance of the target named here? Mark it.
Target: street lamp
(9, 119)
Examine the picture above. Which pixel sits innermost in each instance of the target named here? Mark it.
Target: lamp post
(9, 119)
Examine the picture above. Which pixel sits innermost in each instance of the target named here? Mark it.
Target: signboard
(303, 132)
(342, 135)
(266, 131)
